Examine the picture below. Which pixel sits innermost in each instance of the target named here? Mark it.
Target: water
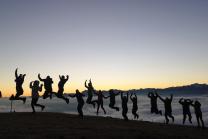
(58, 105)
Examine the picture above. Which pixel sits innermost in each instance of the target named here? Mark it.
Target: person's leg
(202, 121)
(79, 109)
(98, 108)
(172, 117)
(197, 118)
(32, 105)
(190, 118)
(184, 118)
(103, 108)
(17, 97)
(166, 118)
(45, 95)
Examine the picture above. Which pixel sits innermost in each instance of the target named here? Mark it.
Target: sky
(121, 44)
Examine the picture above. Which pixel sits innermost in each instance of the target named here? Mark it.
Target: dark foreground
(64, 126)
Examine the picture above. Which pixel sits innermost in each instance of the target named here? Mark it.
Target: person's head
(62, 77)
(111, 91)
(100, 92)
(77, 91)
(48, 77)
(36, 83)
(197, 102)
(166, 98)
(151, 93)
(185, 101)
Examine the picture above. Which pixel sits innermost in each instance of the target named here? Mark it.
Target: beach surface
(65, 126)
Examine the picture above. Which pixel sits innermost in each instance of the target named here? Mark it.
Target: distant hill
(193, 89)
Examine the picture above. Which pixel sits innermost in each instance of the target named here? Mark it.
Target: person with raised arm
(99, 101)
(80, 101)
(90, 92)
(19, 90)
(48, 86)
(198, 113)
(61, 84)
(35, 95)
(186, 103)
(168, 108)
(112, 96)
(124, 100)
(135, 105)
(153, 99)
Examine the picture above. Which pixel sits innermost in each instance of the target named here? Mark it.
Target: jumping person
(90, 92)
(35, 95)
(186, 103)
(19, 82)
(124, 100)
(112, 96)
(48, 86)
(153, 97)
(168, 108)
(198, 113)
(61, 84)
(135, 106)
(99, 101)
(80, 101)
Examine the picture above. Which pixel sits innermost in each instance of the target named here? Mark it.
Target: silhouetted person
(135, 106)
(80, 101)
(0, 94)
(61, 84)
(35, 95)
(99, 101)
(124, 100)
(153, 97)
(198, 112)
(186, 103)
(112, 96)
(90, 93)
(168, 107)
(48, 86)
(19, 82)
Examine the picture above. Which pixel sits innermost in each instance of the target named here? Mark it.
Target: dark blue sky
(119, 43)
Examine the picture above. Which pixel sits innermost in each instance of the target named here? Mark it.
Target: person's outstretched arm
(16, 74)
(67, 77)
(31, 84)
(60, 77)
(161, 98)
(86, 84)
(24, 76)
(41, 87)
(171, 97)
(131, 97)
(95, 92)
(117, 93)
(135, 95)
(180, 101)
(40, 78)
(72, 96)
(121, 95)
(149, 95)
(127, 96)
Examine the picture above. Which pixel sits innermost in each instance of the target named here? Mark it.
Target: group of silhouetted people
(186, 103)
(36, 87)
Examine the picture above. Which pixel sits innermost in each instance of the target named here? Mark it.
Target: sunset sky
(123, 44)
